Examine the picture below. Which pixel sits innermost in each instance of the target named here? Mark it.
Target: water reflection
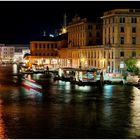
(63, 110)
(2, 123)
(31, 94)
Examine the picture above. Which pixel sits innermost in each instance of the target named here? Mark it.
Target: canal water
(62, 110)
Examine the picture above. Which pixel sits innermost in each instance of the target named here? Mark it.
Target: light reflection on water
(2, 125)
(63, 110)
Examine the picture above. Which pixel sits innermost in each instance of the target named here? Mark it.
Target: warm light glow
(60, 72)
(54, 61)
(82, 59)
(15, 68)
(138, 64)
(83, 88)
(2, 127)
(64, 30)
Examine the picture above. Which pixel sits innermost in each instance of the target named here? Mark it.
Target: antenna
(44, 33)
(65, 20)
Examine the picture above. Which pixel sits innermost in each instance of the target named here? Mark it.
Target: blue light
(51, 35)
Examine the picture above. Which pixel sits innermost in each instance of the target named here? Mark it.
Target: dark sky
(21, 21)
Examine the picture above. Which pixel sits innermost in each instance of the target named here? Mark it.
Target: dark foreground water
(63, 110)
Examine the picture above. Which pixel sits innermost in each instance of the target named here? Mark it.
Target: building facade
(6, 53)
(45, 52)
(84, 57)
(81, 32)
(121, 31)
(120, 40)
(20, 51)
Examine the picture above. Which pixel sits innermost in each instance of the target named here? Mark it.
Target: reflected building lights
(83, 88)
(2, 126)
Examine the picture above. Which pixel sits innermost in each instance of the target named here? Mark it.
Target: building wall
(43, 48)
(45, 52)
(83, 33)
(121, 31)
(7, 53)
(121, 23)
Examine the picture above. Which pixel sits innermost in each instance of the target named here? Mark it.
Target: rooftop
(121, 11)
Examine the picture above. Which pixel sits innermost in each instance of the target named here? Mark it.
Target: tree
(131, 65)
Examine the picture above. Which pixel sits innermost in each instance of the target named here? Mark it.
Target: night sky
(22, 21)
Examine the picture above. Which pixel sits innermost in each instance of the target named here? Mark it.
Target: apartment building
(82, 32)
(6, 53)
(45, 51)
(121, 31)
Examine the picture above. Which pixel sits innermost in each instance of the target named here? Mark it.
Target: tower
(65, 20)
(64, 28)
(44, 33)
